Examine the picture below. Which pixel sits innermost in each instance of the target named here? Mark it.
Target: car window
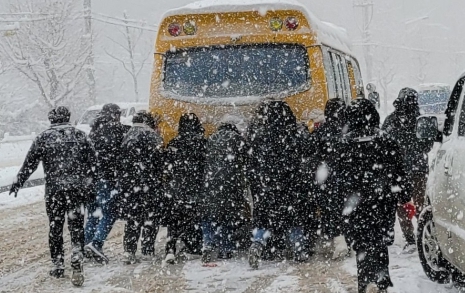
(452, 107)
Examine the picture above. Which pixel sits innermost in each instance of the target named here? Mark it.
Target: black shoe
(57, 272)
(206, 254)
(97, 254)
(224, 255)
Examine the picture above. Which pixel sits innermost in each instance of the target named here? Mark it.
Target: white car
(127, 111)
(441, 227)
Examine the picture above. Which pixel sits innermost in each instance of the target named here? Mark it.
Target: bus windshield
(237, 71)
(433, 101)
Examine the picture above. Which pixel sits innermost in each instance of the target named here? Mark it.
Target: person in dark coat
(401, 126)
(278, 213)
(375, 180)
(66, 155)
(141, 185)
(106, 136)
(184, 171)
(223, 203)
(327, 139)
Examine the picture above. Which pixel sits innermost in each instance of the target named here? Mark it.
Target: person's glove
(15, 188)
(410, 209)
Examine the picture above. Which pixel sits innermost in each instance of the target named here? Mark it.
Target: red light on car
(175, 29)
(291, 23)
(316, 125)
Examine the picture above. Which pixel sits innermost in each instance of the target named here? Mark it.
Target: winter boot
(97, 253)
(409, 248)
(207, 254)
(77, 260)
(57, 271)
(255, 253)
(129, 258)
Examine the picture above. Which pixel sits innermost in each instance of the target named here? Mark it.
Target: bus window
(357, 73)
(337, 73)
(345, 78)
(330, 76)
(219, 72)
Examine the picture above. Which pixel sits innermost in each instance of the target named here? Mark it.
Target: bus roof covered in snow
(326, 33)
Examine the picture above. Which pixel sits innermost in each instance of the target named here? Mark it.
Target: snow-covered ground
(24, 264)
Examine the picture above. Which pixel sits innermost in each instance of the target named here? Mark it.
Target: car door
(439, 185)
(456, 172)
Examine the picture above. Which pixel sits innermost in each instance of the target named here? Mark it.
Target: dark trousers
(62, 205)
(372, 266)
(135, 226)
(184, 225)
(419, 186)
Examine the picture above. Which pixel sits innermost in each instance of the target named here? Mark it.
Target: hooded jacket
(223, 197)
(374, 176)
(401, 126)
(275, 154)
(106, 136)
(141, 168)
(66, 155)
(185, 163)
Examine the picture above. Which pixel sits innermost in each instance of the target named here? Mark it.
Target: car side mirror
(427, 127)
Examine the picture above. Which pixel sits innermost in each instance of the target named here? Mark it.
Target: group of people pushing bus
(345, 178)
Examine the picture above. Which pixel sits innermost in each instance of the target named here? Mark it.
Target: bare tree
(132, 35)
(46, 50)
(385, 74)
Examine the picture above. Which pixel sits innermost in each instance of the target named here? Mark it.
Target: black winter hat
(144, 117)
(110, 109)
(189, 123)
(362, 115)
(60, 114)
(335, 110)
(407, 98)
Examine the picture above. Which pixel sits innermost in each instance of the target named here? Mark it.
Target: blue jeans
(217, 235)
(296, 237)
(101, 214)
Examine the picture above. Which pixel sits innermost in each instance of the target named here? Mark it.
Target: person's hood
(277, 113)
(229, 127)
(335, 111)
(189, 124)
(362, 116)
(406, 101)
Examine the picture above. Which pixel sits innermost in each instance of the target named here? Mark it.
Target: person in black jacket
(141, 178)
(401, 125)
(66, 156)
(375, 180)
(327, 139)
(223, 203)
(184, 171)
(278, 210)
(106, 136)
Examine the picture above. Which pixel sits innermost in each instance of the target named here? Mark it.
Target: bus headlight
(292, 23)
(190, 28)
(276, 24)
(175, 29)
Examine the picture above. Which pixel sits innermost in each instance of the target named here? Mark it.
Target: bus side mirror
(427, 128)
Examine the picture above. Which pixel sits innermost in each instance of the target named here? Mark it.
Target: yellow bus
(219, 59)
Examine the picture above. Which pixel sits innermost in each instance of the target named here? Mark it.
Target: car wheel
(433, 263)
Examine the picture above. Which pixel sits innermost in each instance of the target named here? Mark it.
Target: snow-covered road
(24, 264)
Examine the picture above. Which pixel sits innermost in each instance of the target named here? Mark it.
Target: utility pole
(88, 41)
(367, 17)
